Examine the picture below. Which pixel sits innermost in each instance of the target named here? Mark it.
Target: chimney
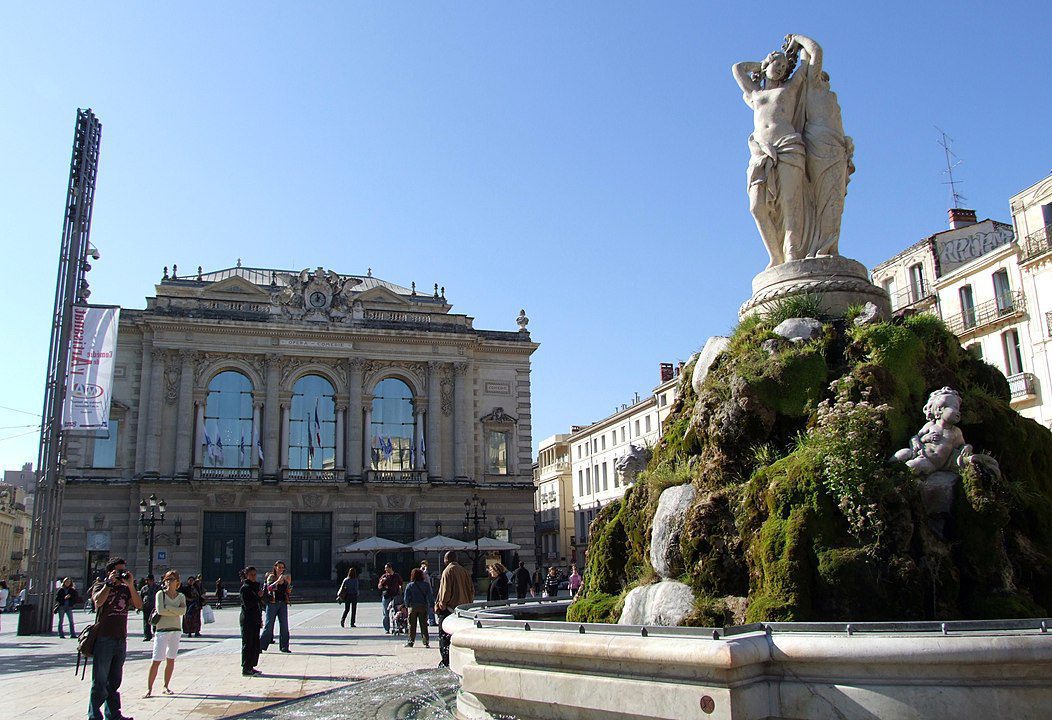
(667, 372)
(959, 218)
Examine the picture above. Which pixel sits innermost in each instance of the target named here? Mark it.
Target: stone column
(418, 434)
(367, 427)
(340, 460)
(272, 416)
(153, 433)
(199, 432)
(257, 428)
(354, 421)
(285, 408)
(434, 418)
(184, 424)
(143, 412)
(463, 425)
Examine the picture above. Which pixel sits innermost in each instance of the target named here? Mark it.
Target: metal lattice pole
(69, 289)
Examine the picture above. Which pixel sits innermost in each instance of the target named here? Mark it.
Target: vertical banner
(89, 381)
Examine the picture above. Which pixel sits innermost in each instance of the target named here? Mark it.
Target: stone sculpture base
(838, 281)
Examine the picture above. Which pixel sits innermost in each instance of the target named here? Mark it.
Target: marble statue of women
(799, 156)
(829, 159)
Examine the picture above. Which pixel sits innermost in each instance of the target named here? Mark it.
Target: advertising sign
(89, 381)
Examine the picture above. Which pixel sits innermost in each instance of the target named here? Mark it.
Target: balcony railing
(1037, 243)
(397, 476)
(219, 473)
(912, 295)
(312, 475)
(971, 319)
(1022, 385)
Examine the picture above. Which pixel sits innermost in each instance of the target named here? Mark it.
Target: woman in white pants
(169, 608)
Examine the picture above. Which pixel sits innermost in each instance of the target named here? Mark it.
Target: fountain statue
(799, 167)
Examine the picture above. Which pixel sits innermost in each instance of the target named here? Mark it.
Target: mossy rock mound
(799, 514)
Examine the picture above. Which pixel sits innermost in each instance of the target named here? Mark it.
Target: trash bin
(27, 622)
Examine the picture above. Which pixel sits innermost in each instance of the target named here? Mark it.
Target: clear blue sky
(585, 161)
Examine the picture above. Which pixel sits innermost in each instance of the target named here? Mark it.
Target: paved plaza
(38, 683)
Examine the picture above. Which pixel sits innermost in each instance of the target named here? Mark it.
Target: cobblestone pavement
(37, 678)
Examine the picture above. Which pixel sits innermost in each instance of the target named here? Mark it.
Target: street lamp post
(148, 522)
(474, 516)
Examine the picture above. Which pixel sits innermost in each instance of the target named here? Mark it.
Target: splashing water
(421, 695)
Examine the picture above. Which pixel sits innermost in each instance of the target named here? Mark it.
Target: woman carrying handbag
(168, 610)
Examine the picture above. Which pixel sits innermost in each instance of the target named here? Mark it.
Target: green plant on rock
(850, 439)
(795, 306)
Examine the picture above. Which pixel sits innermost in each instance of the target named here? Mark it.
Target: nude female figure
(777, 166)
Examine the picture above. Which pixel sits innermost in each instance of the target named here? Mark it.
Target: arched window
(312, 425)
(392, 426)
(228, 422)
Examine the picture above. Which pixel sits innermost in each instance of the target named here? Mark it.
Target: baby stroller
(399, 619)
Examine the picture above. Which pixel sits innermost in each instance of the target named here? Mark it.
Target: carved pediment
(381, 296)
(234, 286)
(498, 417)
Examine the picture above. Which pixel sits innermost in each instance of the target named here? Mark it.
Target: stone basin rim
(501, 614)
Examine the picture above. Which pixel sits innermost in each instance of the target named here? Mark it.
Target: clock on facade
(318, 299)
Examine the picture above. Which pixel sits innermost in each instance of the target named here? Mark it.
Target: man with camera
(113, 596)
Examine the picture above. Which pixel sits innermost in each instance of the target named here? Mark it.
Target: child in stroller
(399, 618)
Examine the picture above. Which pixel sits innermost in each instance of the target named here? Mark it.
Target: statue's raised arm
(746, 75)
(811, 53)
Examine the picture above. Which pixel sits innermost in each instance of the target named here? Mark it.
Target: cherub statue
(940, 443)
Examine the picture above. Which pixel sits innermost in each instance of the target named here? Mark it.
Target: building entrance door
(311, 559)
(223, 547)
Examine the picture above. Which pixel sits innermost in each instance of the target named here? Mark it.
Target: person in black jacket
(66, 599)
(551, 583)
(498, 583)
(522, 581)
(251, 621)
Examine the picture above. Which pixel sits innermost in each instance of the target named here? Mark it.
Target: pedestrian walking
(112, 597)
(427, 578)
(220, 594)
(251, 621)
(551, 584)
(455, 588)
(147, 592)
(66, 599)
(390, 587)
(538, 581)
(348, 595)
(498, 583)
(278, 590)
(418, 598)
(169, 608)
(5, 594)
(574, 581)
(522, 581)
(192, 618)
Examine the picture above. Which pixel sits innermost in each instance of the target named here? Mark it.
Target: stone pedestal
(838, 281)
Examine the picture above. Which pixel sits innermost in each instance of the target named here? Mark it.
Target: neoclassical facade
(283, 415)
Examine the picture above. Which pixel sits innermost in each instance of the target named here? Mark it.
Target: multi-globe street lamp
(156, 510)
(474, 516)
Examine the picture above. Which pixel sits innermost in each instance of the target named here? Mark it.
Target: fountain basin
(546, 670)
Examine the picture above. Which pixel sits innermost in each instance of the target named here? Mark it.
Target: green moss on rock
(799, 515)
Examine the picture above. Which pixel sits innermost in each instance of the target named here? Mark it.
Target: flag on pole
(209, 452)
(219, 447)
(241, 450)
(317, 425)
(310, 445)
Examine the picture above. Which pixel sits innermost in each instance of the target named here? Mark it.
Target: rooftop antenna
(952, 161)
